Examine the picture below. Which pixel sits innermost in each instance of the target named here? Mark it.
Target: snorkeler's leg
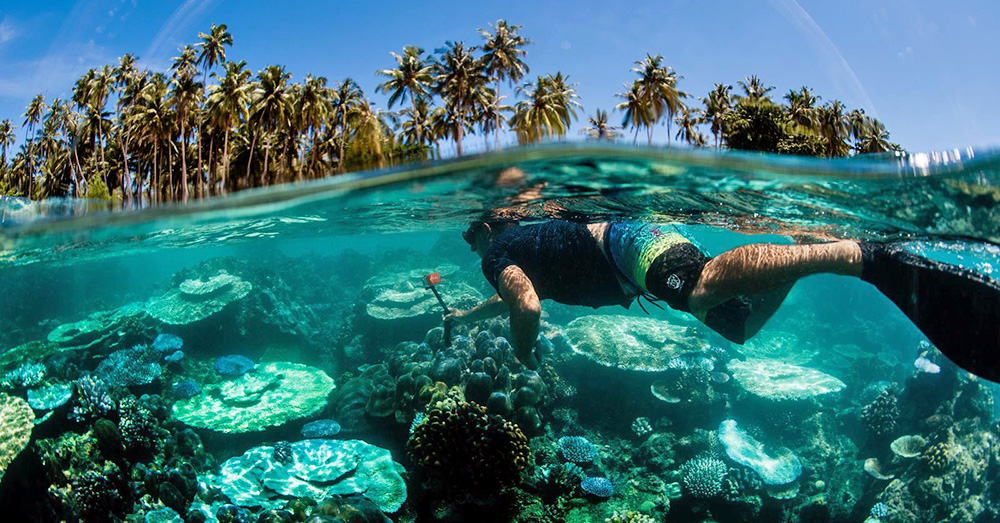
(957, 309)
(763, 306)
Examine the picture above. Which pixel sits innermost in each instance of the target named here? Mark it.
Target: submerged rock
(633, 343)
(781, 469)
(274, 394)
(319, 468)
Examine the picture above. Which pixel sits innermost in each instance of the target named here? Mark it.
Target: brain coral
(271, 395)
(195, 300)
(742, 448)
(469, 448)
(16, 422)
(777, 380)
(317, 469)
(632, 343)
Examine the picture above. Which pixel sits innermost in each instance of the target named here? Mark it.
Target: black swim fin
(957, 309)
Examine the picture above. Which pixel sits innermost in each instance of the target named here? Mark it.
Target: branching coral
(474, 450)
(881, 414)
(702, 476)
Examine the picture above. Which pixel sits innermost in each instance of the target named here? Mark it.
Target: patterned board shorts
(662, 260)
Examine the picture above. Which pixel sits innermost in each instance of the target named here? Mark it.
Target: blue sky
(926, 68)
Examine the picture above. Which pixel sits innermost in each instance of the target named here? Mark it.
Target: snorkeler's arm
(488, 309)
(525, 312)
(759, 268)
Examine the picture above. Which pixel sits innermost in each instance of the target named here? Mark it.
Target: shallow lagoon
(823, 416)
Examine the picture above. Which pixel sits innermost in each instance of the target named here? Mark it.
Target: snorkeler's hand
(456, 316)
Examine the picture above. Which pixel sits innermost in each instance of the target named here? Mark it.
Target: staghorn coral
(641, 427)
(24, 376)
(92, 399)
(880, 416)
(702, 476)
(478, 452)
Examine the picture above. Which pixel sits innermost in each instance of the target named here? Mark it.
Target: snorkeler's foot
(957, 309)
(528, 358)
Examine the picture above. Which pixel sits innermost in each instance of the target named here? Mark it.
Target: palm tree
(347, 98)
(687, 126)
(213, 52)
(875, 139)
(185, 98)
(311, 110)
(658, 87)
(638, 111)
(503, 55)
(228, 105)
(802, 106)
(717, 105)
(548, 110)
(33, 115)
(153, 123)
(412, 76)
(754, 89)
(6, 140)
(599, 128)
(271, 108)
(459, 76)
(833, 128)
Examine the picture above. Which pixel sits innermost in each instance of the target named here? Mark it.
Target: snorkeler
(733, 293)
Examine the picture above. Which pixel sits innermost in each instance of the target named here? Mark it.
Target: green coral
(318, 469)
(196, 299)
(272, 394)
(16, 421)
(110, 330)
(632, 343)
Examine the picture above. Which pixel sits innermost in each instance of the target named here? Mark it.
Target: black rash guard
(563, 261)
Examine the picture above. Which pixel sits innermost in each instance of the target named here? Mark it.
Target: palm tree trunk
(458, 136)
(211, 174)
(253, 143)
(225, 161)
(184, 170)
(496, 129)
(343, 140)
(155, 181)
(79, 168)
(170, 174)
(267, 158)
(123, 176)
(199, 173)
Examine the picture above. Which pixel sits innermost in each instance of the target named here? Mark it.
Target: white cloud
(53, 74)
(7, 30)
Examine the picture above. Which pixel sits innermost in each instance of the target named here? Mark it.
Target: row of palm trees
(654, 98)
(209, 125)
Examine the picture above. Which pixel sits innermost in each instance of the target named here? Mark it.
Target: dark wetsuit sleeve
(495, 260)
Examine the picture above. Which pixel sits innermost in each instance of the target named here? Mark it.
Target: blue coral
(175, 357)
(93, 399)
(577, 449)
(880, 510)
(233, 365)
(417, 420)
(167, 343)
(598, 487)
(186, 389)
(129, 367)
(321, 428)
(702, 476)
(26, 375)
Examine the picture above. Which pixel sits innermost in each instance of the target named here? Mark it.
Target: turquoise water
(319, 286)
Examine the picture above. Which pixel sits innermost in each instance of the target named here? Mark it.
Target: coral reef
(51, 397)
(702, 476)
(577, 449)
(908, 446)
(468, 448)
(881, 414)
(16, 422)
(24, 376)
(196, 299)
(138, 365)
(777, 380)
(597, 486)
(273, 394)
(92, 399)
(233, 365)
(318, 468)
(632, 343)
(781, 469)
(321, 428)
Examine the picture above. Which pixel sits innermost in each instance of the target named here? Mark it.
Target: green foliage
(96, 188)
(755, 125)
(802, 142)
